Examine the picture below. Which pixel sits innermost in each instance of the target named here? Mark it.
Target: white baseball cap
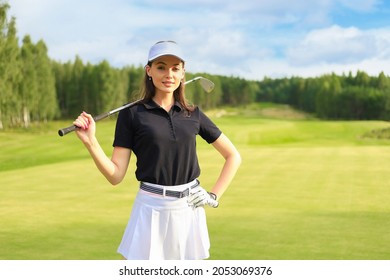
(165, 48)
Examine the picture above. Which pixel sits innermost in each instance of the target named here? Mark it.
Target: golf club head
(206, 84)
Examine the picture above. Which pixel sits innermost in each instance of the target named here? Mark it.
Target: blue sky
(245, 38)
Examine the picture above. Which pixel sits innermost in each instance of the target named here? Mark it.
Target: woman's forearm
(230, 167)
(227, 174)
(110, 168)
(113, 169)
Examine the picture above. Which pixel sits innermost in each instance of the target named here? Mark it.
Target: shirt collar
(150, 105)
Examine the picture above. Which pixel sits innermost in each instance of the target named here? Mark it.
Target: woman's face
(166, 72)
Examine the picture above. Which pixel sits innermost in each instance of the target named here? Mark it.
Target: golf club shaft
(71, 128)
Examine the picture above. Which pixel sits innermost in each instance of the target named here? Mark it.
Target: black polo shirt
(164, 142)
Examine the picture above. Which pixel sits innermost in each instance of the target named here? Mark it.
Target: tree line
(35, 88)
(331, 96)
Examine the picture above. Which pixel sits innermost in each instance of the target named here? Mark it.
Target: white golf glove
(199, 197)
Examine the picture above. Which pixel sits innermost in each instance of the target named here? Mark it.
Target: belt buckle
(184, 193)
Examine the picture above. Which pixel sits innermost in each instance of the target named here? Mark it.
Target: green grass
(306, 189)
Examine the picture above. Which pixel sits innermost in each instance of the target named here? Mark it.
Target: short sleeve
(123, 131)
(208, 130)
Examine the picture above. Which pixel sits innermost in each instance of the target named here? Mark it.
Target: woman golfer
(168, 220)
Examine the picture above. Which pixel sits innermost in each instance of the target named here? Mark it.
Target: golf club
(206, 84)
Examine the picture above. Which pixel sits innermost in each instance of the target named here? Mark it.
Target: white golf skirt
(165, 228)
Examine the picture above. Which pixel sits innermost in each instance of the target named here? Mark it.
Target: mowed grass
(306, 189)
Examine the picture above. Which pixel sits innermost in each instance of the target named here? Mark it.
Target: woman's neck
(165, 101)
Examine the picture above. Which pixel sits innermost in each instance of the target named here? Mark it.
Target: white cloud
(246, 38)
(335, 45)
(361, 5)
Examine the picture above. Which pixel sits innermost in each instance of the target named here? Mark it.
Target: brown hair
(148, 91)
